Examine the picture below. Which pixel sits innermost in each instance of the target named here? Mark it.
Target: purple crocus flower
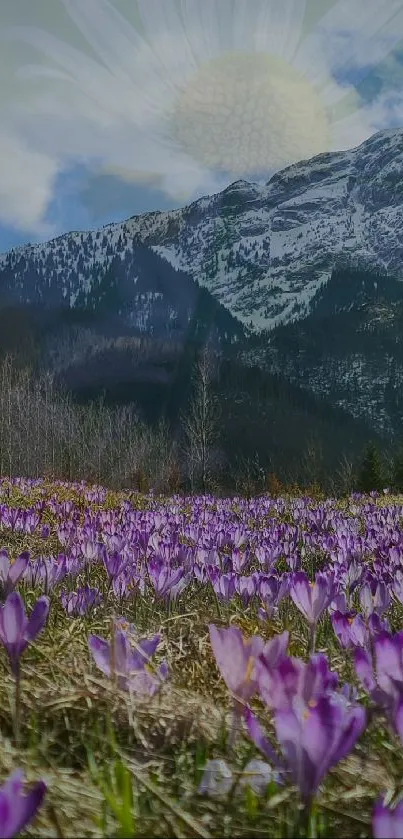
(11, 573)
(16, 630)
(387, 823)
(236, 658)
(384, 682)
(374, 597)
(17, 810)
(293, 679)
(114, 564)
(167, 582)
(223, 585)
(312, 598)
(81, 601)
(130, 665)
(315, 738)
(350, 629)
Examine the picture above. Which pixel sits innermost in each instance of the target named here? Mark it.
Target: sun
(247, 113)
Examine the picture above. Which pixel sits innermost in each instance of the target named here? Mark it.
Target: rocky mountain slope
(262, 251)
(349, 349)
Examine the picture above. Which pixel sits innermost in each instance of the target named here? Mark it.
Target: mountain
(349, 348)
(267, 271)
(261, 251)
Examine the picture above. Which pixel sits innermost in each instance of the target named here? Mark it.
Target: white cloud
(27, 180)
(383, 112)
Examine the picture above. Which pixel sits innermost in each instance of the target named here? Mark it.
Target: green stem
(216, 602)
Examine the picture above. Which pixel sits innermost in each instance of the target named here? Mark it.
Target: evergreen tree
(370, 476)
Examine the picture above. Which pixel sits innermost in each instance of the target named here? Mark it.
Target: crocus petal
(387, 823)
(18, 568)
(235, 657)
(6, 817)
(120, 653)
(28, 805)
(144, 683)
(363, 668)
(275, 649)
(16, 809)
(398, 718)
(143, 651)
(259, 738)
(217, 779)
(100, 649)
(4, 565)
(38, 618)
(13, 619)
(257, 775)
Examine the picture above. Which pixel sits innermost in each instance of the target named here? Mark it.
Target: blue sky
(117, 107)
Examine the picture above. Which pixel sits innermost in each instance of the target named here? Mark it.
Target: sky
(111, 108)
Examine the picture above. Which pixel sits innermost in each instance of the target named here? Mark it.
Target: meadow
(199, 666)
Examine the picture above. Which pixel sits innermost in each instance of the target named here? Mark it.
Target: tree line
(45, 433)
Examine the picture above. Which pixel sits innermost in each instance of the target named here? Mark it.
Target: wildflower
(387, 823)
(16, 630)
(236, 658)
(17, 810)
(130, 666)
(312, 598)
(317, 737)
(10, 574)
(81, 601)
(217, 779)
(350, 629)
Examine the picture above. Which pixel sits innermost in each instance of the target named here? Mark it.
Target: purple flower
(236, 658)
(17, 810)
(167, 582)
(256, 733)
(81, 601)
(10, 574)
(387, 823)
(312, 598)
(374, 597)
(114, 563)
(224, 585)
(292, 678)
(389, 662)
(315, 738)
(350, 629)
(16, 630)
(131, 667)
(384, 683)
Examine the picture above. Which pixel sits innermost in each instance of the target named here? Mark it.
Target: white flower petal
(258, 774)
(217, 779)
(279, 27)
(351, 36)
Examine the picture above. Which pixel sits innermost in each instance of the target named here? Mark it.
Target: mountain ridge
(262, 251)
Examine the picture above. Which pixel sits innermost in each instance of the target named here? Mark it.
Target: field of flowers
(199, 667)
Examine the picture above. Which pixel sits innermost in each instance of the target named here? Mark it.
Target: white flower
(217, 779)
(189, 94)
(257, 775)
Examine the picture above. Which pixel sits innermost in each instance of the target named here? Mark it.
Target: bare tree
(344, 477)
(200, 422)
